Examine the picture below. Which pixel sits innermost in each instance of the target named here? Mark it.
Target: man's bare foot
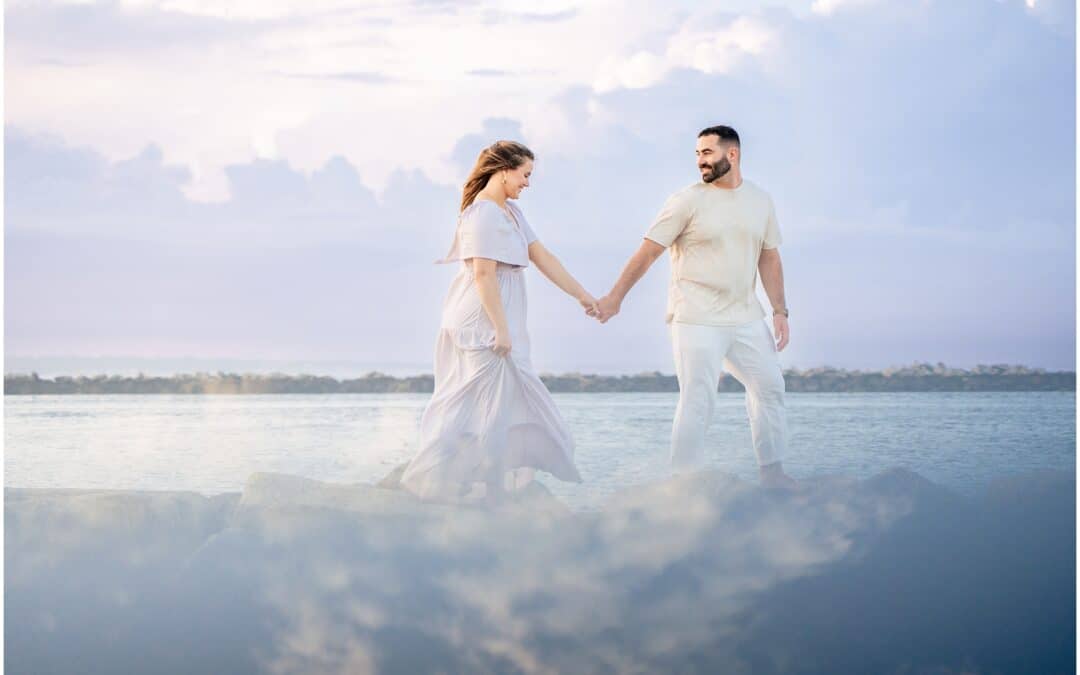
(774, 478)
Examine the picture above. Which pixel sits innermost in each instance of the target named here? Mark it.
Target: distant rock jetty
(916, 377)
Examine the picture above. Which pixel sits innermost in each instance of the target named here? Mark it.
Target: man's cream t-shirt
(716, 236)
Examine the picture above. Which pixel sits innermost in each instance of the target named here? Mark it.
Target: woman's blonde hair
(496, 157)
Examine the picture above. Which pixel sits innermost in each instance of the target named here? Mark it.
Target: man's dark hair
(725, 134)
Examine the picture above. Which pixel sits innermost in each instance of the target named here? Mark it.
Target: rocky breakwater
(705, 573)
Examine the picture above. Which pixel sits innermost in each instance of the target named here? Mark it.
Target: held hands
(589, 303)
(607, 307)
(597, 309)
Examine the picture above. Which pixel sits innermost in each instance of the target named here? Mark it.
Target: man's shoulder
(756, 190)
(688, 192)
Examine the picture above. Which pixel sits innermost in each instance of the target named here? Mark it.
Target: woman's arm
(488, 287)
(553, 269)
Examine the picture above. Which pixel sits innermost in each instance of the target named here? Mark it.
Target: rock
(696, 573)
(282, 491)
(392, 480)
(130, 528)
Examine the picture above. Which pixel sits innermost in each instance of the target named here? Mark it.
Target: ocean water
(211, 444)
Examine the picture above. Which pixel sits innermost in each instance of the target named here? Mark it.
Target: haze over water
(212, 444)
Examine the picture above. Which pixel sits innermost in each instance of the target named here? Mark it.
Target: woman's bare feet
(774, 478)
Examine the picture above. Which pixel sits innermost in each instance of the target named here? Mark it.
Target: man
(722, 233)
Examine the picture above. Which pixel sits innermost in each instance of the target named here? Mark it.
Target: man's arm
(635, 268)
(772, 279)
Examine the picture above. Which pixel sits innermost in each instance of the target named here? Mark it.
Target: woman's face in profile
(518, 179)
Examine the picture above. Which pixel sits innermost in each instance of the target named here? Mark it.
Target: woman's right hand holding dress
(502, 343)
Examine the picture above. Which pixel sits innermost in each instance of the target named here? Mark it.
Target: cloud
(917, 210)
(468, 147)
(94, 30)
(496, 16)
(489, 72)
(1059, 15)
(310, 118)
(359, 77)
(171, 94)
(702, 43)
(827, 7)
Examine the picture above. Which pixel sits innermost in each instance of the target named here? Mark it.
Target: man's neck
(729, 181)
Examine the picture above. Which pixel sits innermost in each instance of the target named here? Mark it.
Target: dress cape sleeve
(485, 232)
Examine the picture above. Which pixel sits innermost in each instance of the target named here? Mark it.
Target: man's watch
(780, 310)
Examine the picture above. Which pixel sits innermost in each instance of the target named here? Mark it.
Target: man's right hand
(646, 255)
(608, 307)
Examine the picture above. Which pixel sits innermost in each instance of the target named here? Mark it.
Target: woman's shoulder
(483, 208)
(483, 213)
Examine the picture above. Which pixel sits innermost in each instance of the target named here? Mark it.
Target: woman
(490, 419)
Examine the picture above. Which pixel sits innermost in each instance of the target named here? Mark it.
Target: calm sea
(211, 444)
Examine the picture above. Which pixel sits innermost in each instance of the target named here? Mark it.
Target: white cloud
(717, 50)
(250, 9)
(220, 84)
(641, 70)
(827, 7)
(870, 134)
(698, 44)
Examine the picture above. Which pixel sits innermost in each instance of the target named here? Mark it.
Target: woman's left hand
(589, 303)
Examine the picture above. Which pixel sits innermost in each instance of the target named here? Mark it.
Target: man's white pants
(748, 353)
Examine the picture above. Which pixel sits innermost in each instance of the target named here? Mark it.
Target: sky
(268, 182)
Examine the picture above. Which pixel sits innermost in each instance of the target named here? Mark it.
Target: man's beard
(717, 170)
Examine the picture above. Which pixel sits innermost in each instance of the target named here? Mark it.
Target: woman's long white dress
(490, 420)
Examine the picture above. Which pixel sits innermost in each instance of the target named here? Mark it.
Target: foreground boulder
(703, 573)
